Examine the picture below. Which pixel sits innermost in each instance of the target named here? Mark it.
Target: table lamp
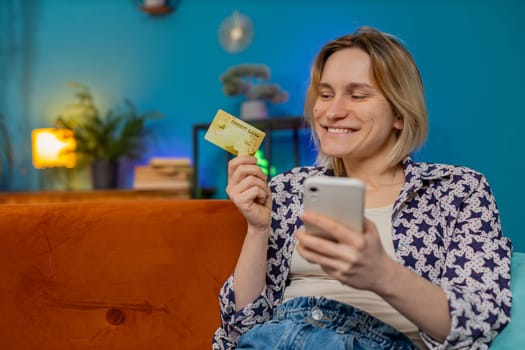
(53, 147)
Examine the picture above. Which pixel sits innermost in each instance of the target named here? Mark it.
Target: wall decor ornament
(236, 33)
(158, 7)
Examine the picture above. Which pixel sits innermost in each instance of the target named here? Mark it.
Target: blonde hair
(397, 77)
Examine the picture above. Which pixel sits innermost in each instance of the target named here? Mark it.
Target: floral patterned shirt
(446, 228)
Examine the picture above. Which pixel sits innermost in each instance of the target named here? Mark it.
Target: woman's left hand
(355, 259)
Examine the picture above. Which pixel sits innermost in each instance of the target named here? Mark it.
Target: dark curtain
(18, 20)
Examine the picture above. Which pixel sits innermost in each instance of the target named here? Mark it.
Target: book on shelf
(156, 185)
(164, 173)
(158, 162)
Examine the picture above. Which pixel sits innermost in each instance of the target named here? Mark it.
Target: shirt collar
(424, 171)
(415, 175)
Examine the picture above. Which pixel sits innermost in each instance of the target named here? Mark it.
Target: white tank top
(308, 279)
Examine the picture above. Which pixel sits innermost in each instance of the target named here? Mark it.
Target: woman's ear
(399, 122)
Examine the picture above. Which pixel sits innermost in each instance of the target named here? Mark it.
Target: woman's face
(352, 118)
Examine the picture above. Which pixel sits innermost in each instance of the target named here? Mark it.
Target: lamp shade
(53, 147)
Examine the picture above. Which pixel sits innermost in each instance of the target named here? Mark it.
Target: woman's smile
(332, 130)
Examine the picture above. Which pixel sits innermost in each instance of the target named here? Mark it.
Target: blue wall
(470, 53)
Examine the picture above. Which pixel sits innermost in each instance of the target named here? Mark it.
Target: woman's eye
(325, 95)
(358, 97)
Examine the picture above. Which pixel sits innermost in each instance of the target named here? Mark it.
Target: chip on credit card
(234, 135)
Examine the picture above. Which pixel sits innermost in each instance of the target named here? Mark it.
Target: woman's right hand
(248, 189)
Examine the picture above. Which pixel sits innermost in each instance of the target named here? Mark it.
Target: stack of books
(164, 174)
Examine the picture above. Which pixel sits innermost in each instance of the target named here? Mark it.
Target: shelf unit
(268, 125)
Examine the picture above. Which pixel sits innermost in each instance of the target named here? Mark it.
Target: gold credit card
(234, 135)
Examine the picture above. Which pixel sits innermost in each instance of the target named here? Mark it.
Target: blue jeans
(310, 323)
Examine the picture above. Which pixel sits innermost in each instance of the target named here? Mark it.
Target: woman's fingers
(326, 252)
(335, 230)
(251, 187)
(350, 257)
(337, 255)
(244, 183)
(335, 259)
(241, 162)
(257, 194)
(243, 173)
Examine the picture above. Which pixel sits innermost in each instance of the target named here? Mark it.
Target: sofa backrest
(134, 274)
(141, 274)
(513, 336)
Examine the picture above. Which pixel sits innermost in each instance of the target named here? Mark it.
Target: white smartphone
(341, 198)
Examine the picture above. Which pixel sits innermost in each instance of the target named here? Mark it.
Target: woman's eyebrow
(350, 86)
(353, 86)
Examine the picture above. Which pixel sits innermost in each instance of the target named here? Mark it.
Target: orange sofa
(134, 274)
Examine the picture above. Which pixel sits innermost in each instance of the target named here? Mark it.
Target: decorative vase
(104, 174)
(253, 109)
(154, 3)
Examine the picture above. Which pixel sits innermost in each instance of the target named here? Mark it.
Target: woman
(431, 269)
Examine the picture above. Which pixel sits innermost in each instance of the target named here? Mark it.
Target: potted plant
(251, 80)
(102, 140)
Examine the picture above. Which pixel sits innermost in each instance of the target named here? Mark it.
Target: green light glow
(263, 163)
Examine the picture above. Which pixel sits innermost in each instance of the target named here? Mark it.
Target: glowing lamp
(53, 147)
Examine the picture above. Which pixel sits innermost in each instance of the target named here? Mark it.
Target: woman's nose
(336, 112)
(337, 109)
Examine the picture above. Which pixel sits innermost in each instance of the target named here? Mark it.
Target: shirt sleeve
(476, 277)
(236, 323)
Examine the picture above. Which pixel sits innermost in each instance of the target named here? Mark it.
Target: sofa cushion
(119, 275)
(513, 336)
